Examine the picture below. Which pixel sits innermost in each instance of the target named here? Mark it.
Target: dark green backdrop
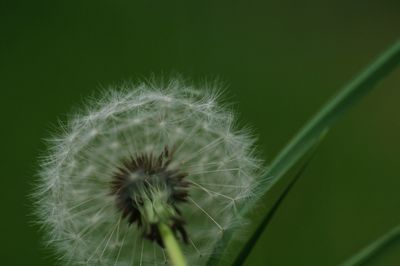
(281, 59)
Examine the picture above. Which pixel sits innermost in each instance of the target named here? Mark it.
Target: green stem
(171, 245)
(372, 249)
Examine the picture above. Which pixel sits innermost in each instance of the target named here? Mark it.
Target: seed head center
(148, 192)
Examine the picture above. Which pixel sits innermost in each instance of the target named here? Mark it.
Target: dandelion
(148, 172)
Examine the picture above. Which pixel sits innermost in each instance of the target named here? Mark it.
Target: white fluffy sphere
(74, 198)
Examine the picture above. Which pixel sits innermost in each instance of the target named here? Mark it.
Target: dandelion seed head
(138, 155)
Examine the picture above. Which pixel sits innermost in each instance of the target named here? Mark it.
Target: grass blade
(334, 109)
(323, 120)
(251, 242)
(368, 252)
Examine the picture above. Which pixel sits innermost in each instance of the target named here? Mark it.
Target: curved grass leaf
(251, 242)
(323, 120)
(374, 248)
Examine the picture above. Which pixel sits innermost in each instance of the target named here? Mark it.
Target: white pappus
(142, 154)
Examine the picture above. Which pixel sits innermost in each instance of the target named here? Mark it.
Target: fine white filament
(73, 199)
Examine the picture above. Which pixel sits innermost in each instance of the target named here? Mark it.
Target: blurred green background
(281, 59)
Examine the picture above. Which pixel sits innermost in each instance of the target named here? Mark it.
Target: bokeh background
(281, 59)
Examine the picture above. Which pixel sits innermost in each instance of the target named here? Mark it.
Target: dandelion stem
(171, 245)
